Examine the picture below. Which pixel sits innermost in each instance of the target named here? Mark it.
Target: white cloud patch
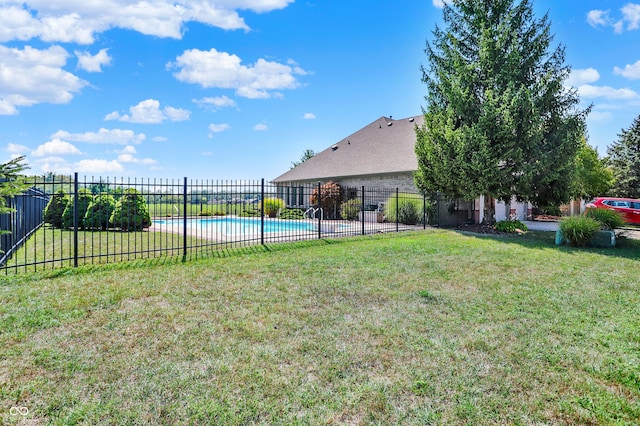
(16, 149)
(99, 166)
(215, 103)
(439, 3)
(73, 21)
(631, 72)
(607, 92)
(583, 76)
(31, 76)
(102, 136)
(309, 116)
(217, 128)
(93, 63)
(213, 69)
(629, 19)
(56, 147)
(260, 127)
(149, 112)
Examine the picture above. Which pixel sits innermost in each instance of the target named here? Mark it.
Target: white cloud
(631, 72)
(149, 112)
(216, 103)
(159, 139)
(439, 3)
(217, 128)
(74, 21)
(600, 116)
(598, 17)
(56, 147)
(583, 76)
(93, 63)
(31, 76)
(128, 155)
(309, 116)
(102, 136)
(16, 149)
(630, 17)
(99, 166)
(260, 127)
(607, 92)
(213, 69)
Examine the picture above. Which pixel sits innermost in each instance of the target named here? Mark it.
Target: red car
(628, 207)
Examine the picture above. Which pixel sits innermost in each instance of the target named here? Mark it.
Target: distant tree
(624, 159)
(498, 120)
(55, 209)
(131, 212)
(84, 199)
(11, 183)
(592, 176)
(305, 156)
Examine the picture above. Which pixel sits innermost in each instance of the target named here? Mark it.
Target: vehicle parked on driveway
(628, 207)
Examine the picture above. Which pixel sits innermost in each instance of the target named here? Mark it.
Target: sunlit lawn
(434, 327)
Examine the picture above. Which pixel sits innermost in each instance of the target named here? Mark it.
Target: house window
(294, 195)
(301, 196)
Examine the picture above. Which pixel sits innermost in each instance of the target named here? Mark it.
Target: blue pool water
(240, 225)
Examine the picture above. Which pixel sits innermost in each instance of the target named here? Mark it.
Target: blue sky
(238, 89)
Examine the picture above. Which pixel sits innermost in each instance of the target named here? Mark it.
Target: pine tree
(624, 158)
(498, 119)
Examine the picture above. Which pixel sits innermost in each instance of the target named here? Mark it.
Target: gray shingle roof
(384, 146)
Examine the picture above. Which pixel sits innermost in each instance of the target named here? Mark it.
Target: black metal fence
(25, 219)
(191, 218)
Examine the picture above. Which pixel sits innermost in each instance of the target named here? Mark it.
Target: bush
(273, 206)
(330, 198)
(55, 208)
(131, 212)
(99, 212)
(409, 208)
(84, 199)
(609, 219)
(510, 226)
(578, 230)
(349, 209)
(294, 214)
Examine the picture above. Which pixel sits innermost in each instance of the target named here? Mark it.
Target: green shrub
(273, 206)
(84, 199)
(293, 214)
(510, 225)
(131, 212)
(55, 208)
(578, 230)
(249, 212)
(99, 212)
(349, 209)
(610, 219)
(409, 208)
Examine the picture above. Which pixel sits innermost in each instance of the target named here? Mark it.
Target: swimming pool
(240, 225)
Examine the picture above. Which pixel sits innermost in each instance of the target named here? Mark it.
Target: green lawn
(434, 327)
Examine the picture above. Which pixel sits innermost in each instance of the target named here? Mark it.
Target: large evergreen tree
(498, 120)
(624, 158)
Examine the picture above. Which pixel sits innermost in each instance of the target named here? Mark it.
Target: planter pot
(604, 239)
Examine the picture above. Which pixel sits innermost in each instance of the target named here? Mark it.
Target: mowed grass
(433, 327)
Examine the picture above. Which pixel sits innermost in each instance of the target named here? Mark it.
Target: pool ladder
(314, 212)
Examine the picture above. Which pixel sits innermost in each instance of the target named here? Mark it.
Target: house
(381, 155)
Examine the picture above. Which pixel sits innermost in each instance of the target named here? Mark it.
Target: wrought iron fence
(98, 221)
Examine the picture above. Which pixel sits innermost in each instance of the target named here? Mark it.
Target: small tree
(99, 212)
(305, 156)
(624, 158)
(330, 197)
(131, 212)
(55, 209)
(349, 209)
(11, 183)
(592, 178)
(84, 199)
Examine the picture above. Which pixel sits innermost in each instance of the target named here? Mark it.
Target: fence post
(184, 221)
(424, 211)
(321, 212)
(262, 211)
(397, 210)
(362, 209)
(75, 220)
